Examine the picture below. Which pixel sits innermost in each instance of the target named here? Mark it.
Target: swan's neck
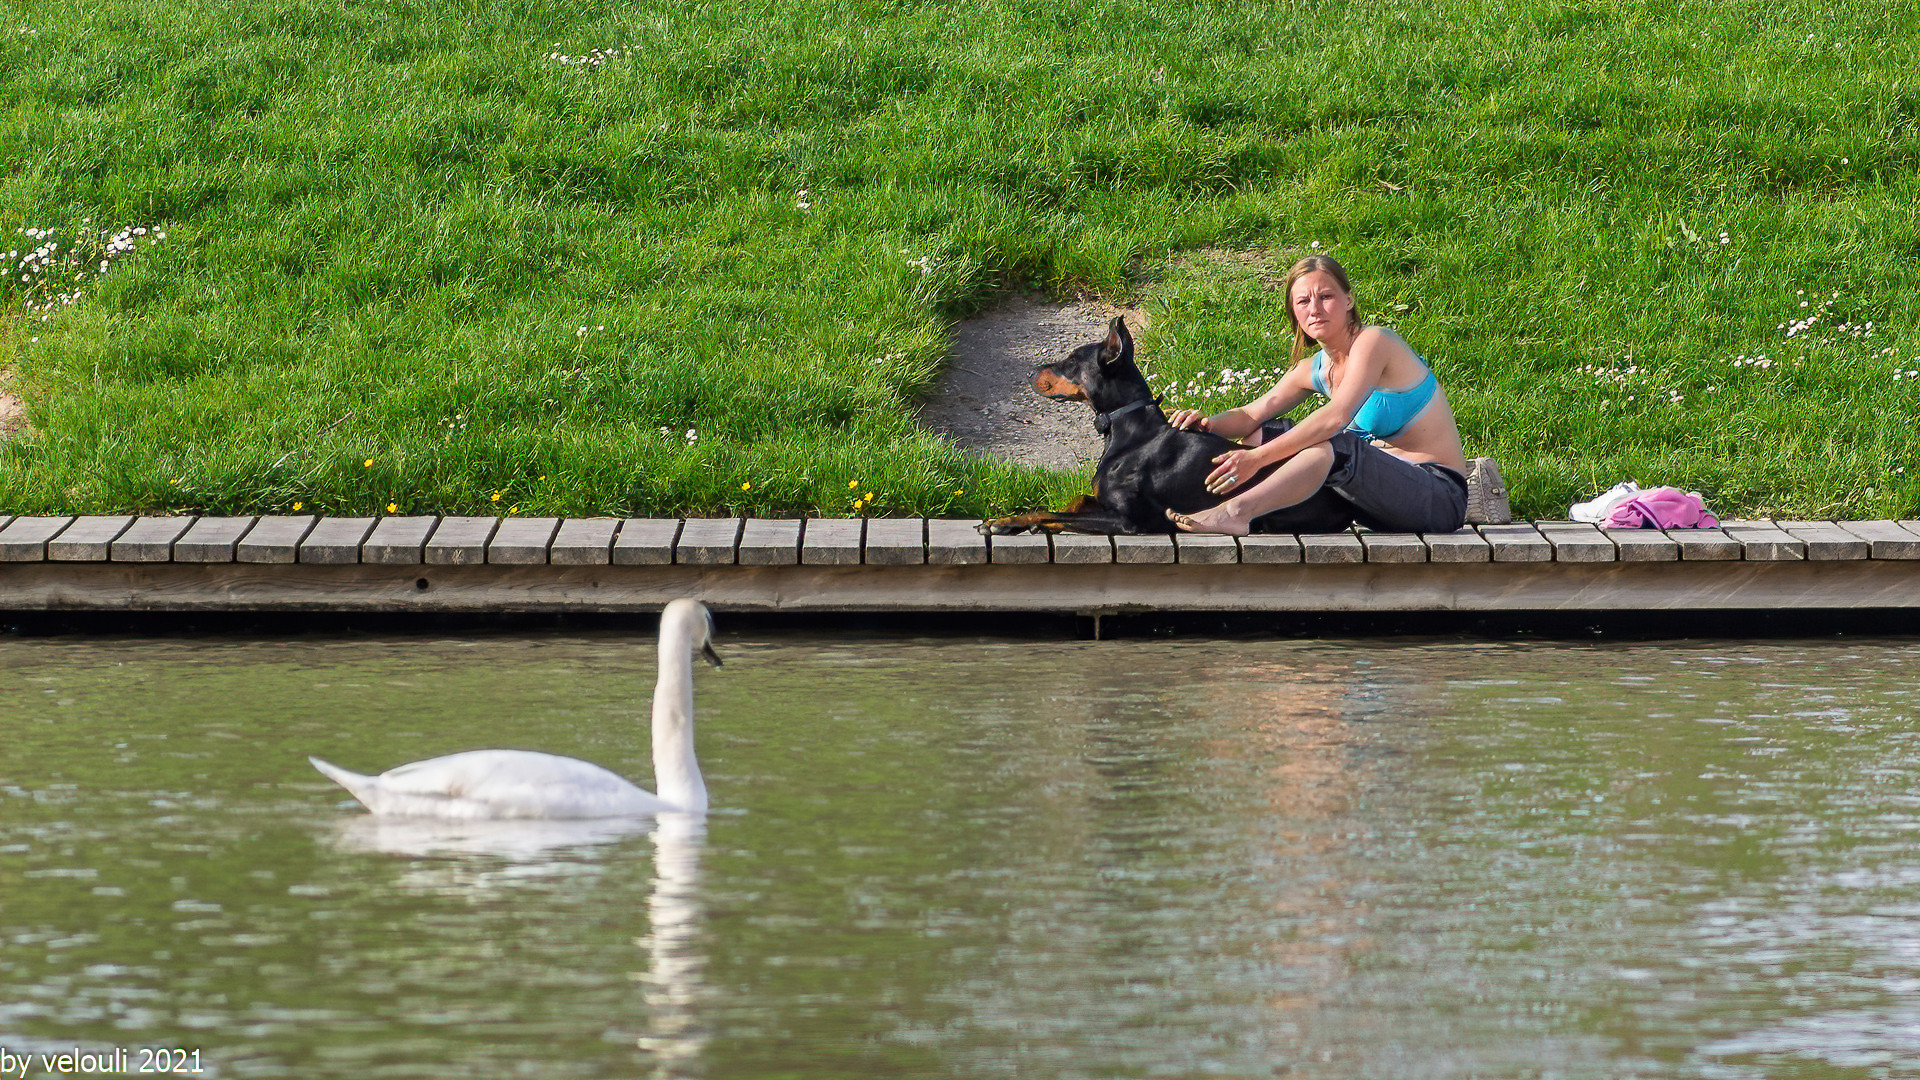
(676, 774)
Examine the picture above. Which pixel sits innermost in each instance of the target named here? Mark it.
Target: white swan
(505, 784)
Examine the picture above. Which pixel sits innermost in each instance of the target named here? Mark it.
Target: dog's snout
(1048, 384)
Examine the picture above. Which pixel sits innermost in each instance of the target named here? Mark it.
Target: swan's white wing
(482, 784)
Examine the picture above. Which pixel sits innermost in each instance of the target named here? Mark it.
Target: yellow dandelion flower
(959, 491)
(496, 496)
(299, 506)
(869, 496)
(393, 508)
(853, 484)
(746, 486)
(368, 464)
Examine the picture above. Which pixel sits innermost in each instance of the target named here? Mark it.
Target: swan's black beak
(707, 654)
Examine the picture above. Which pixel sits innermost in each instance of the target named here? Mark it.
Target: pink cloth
(1661, 508)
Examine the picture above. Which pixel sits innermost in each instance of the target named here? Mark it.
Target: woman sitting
(1383, 447)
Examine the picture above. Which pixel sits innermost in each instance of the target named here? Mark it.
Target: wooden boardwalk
(514, 564)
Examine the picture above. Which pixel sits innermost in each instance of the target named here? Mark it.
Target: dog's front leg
(1085, 514)
(1032, 521)
(1013, 524)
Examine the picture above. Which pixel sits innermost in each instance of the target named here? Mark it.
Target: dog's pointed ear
(1118, 343)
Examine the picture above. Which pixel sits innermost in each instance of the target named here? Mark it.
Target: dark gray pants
(1368, 486)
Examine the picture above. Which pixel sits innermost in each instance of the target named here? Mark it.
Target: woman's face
(1320, 305)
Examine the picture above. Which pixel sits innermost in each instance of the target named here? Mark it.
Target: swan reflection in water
(525, 840)
(676, 956)
(675, 1036)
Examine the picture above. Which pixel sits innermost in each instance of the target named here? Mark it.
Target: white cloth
(1595, 510)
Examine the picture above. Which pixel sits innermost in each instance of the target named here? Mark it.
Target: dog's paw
(1001, 527)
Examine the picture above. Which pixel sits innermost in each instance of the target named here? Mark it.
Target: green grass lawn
(417, 257)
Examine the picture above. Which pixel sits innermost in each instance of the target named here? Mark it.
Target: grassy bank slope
(420, 255)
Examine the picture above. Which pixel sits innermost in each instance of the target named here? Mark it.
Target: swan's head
(691, 620)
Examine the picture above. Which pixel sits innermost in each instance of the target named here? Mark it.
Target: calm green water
(979, 859)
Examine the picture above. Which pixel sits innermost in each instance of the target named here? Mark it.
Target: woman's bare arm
(1365, 363)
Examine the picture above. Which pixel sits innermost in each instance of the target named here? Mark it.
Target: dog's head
(1089, 369)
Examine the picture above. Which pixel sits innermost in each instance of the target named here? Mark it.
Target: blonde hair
(1302, 344)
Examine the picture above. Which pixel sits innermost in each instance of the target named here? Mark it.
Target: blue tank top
(1385, 413)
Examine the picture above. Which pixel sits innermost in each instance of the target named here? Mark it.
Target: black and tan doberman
(1148, 467)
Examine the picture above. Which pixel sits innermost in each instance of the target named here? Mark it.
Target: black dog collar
(1104, 421)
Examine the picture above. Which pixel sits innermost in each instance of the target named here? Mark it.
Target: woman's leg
(1294, 481)
(1391, 494)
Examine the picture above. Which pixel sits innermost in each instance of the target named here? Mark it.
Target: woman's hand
(1188, 420)
(1231, 469)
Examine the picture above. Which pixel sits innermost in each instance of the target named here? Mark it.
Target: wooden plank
(1705, 545)
(25, 538)
(707, 542)
(955, 542)
(87, 539)
(274, 539)
(460, 541)
(1841, 579)
(1577, 541)
(1885, 539)
(1826, 541)
(1393, 547)
(522, 541)
(1080, 549)
(1021, 548)
(1464, 546)
(646, 542)
(1643, 545)
(336, 541)
(770, 542)
(485, 591)
(1823, 540)
(896, 542)
(212, 540)
(1204, 549)
(832, 541)
(1328, 549)
(1517, 543)
(1270, 548)
(1762, 541)
(399, 541)
(149, 540)
(583, 542)
(1155, 549)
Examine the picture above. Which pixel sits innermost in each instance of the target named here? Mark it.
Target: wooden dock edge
(1112, 588)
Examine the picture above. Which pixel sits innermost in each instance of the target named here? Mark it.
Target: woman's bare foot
(1216, 520)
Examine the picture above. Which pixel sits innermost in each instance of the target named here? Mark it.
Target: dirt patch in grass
(1267, 267)
(13, 412)
(985, 400)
